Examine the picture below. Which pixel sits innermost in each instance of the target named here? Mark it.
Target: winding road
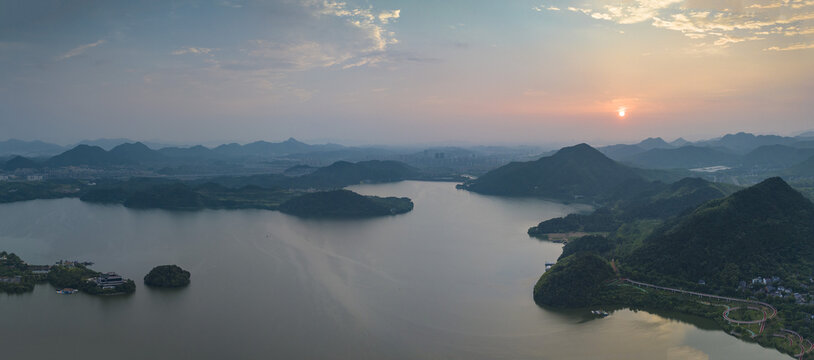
(806, 346)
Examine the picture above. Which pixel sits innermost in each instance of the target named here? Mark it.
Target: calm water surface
(451, 279)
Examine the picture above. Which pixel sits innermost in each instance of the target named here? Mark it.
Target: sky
(403, 72)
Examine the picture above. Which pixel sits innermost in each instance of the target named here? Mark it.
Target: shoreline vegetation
(16, 276)
(740, 246)
(268, 192)
(763, 235)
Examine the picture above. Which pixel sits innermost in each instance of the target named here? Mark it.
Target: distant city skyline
(392, 72)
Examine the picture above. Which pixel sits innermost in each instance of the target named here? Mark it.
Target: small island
(69, 277)
(169, 276)
(344, 204)
(75, 276)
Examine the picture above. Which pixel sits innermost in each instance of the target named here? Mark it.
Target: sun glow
(622, 111)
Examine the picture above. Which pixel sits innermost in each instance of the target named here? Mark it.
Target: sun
(622, 112)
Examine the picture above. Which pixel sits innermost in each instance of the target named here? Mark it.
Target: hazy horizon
(406, 144)
(364, 72)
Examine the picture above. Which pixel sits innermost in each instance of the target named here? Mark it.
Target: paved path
(710, 296)
(806, 346)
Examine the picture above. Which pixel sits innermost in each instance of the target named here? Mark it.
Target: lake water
(451, 279)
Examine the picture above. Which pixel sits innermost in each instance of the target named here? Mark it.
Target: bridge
(806, 346)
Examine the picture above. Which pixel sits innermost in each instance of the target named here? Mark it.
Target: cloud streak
(79, 50)
(193, 50)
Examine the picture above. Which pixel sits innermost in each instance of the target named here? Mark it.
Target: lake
(451, 279)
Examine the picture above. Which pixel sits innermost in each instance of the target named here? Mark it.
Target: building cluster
(109, 280)
(11, 279)
(772, 287)
(33, 177)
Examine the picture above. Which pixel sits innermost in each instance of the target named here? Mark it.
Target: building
(109, 280)
(34, 177)
(11, 279)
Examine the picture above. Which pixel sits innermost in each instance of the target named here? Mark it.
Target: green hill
(572, 172)
(776, 156)
(344, 204)
(19, 162)
(573, 281)
(167, 276)
(82, 155)
(803, 169)
(638, 200)
(767, 229)
(687, 157)
(135, 153)
(343, 173)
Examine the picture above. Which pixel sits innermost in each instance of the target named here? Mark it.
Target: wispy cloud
(791, 47)
(725, 22)
(193, 50)
(80, 49)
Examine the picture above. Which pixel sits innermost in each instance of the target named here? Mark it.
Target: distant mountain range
(744, 150)
(13, 147)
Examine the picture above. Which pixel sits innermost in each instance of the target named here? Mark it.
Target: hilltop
(572, 172)
(766, 229)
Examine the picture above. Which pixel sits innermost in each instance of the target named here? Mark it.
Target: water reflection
(451, 279)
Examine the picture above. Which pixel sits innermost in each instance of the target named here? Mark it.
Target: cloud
(80, 49)
(544, 7)
(193, 50)
(725, 21)
(386, 16)
(791, 47)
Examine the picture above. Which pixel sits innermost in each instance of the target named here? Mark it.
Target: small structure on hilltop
(109, 280)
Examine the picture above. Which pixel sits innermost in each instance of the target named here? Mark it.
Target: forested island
(171, 276)
(345, 204)
(16, 276)
(308, 195)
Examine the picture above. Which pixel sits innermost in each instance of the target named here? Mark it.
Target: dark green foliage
(135, 153)
(167, 276)
(71, 277)
(109, 195)
(601, 220)
(19, 162)
(12, 266)
(82, 155)
(573, 172)
(344, 204)
(637, 199)
(573, 282)
(334, 176)
(763, 230)
(686, 157)
(804, 169)
(78, 276)
(776, 156)
(343, 173)
(590, 243)
(172, 196)
(175, 195)
(28, 190)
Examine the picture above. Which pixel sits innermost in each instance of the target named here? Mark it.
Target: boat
(601, 313)
(67, 291)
